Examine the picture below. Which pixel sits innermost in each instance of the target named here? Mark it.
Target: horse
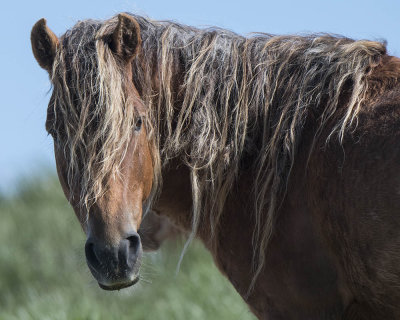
(280, 153)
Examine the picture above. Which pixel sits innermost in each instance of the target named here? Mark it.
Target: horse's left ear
(44, 44)
(126, 40)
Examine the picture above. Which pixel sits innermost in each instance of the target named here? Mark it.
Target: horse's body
(290, 177)
(335, 252)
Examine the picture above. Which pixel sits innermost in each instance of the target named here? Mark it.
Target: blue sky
(24, 86)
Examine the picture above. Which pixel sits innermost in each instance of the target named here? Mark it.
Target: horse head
(101, 141)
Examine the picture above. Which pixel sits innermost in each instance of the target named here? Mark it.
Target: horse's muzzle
(115, 267)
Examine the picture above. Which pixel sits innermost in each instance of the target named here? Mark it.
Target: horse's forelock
(93, 118)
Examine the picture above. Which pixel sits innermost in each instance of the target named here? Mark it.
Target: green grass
(43, 274)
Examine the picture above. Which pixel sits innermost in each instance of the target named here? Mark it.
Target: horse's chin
(119, 286)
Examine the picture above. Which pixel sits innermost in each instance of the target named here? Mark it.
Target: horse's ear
(44, 44)
(126, 40)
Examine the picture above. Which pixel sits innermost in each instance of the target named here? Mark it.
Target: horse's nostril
(134, 242)
(133, 248)
(91, 257)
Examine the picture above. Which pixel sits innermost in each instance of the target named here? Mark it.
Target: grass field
(43, 274)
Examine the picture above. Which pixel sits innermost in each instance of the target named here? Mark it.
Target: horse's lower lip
(119, 286)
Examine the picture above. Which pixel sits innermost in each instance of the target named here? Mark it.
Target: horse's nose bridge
(110, 225)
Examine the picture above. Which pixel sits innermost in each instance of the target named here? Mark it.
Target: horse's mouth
(119, 286)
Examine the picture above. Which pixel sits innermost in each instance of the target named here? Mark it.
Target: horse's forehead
(77, 45)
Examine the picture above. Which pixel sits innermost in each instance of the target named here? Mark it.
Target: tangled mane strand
(93, 118)
(215, 99)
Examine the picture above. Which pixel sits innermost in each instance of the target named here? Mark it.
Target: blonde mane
(215, 99)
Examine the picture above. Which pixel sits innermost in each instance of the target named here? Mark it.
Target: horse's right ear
(126, 40)
(44, 44)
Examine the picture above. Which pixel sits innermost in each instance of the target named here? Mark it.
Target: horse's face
(113, 247)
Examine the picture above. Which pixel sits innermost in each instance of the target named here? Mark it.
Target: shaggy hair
(90, 117)
(214, 98)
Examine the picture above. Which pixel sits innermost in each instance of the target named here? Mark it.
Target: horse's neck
(196, 121)
(194, 87)
(175, 200)
(173, 55)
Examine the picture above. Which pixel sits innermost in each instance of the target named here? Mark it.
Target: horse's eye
(138, 124)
